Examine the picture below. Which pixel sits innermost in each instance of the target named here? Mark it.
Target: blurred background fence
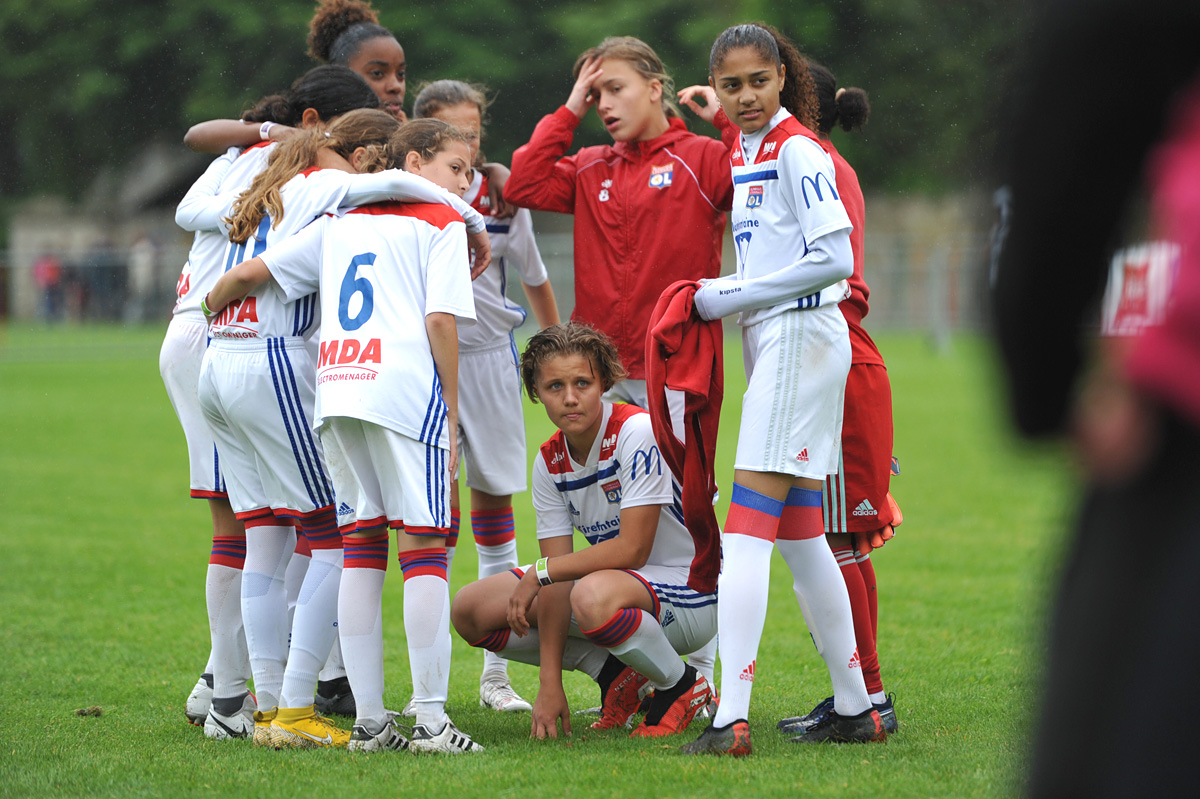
(925, 266)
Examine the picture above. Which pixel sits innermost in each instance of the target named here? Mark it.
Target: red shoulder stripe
(435, 214)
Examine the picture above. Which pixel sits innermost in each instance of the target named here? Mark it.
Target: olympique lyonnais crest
(660, 176)
(612, 491)
(755, 198)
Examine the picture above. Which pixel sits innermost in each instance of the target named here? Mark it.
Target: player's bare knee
(590, 603)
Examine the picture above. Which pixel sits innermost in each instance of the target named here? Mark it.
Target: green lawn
(102, 604)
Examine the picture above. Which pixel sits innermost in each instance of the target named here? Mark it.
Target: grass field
(102, 604)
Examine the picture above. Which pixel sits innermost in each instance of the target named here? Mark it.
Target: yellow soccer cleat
(301, 727)
(262, 726)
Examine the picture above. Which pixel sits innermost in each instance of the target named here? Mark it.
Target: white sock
(821, 592)
(647, 650)
(227, 660)
(493, 560)
(704, 660)
(314, 628)
(335, 666)
(360, 629)
(579, 654)
(426, 625)
(264, 607)
(292, 580)
(741, 613)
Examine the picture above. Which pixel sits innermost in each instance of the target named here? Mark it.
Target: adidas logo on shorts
(865, 508)
(668, 618)
(803, 456)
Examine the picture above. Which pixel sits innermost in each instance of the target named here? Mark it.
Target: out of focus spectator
(48, 276)
(143, 271)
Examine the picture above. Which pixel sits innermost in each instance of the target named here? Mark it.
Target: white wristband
(264, 130)
(543, 574)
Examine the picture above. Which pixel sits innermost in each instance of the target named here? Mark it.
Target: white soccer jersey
(513, 245)
(784, 198)
(381, 269)
(624, 469)
(201, 211)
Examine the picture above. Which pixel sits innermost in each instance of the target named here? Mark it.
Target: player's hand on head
(708, 112)
(549, 709)
(582, 97)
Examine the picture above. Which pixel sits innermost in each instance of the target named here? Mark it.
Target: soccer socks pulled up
(635, 638)
(360, 623)
(496, 547)
(228, 660)
(743, 589)
(821, 592)
(867, 569)
(860, 611)
(578, 654)
(427, 627)
(294, 577)
(452, 538)
(314, 628)
(495, 534)
(269, 546)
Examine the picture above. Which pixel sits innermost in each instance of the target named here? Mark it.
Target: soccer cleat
(334, 698)
(450, 740)
(410, 709)
(230, 718)
(866, 727)
(621, 700)
(733, 739)
(796, 724)
(303, 728)
(199, 700)
(672, 710)
(498, 694)
(887, 714)
(388, 738)
(262, 726)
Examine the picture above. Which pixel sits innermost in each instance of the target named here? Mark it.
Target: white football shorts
(796, 367)
(385, 477)
(179, 364)
(258, 399)
(491, 423)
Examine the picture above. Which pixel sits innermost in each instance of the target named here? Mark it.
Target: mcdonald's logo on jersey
(650, 459)
(660, 176)
(815, 183)
(755, 197)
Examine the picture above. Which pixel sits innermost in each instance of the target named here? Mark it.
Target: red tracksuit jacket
(646, 215)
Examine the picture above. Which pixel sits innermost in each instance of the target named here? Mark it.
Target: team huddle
(343, 340)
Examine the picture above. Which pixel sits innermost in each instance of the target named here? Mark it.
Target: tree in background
(84, 83)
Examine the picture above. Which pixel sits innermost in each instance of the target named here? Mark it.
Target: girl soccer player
(491, 427)
(348, 33)
(649, 209)
(321, 93)
(859, 511)
(276, 468)
(392, 280)
(794, 256)
(624, 607)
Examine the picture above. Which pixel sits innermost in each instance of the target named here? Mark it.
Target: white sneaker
(410, 709)
(450, 740)
(498, 694)
(220, 727)
(362, 739)
(199, 701)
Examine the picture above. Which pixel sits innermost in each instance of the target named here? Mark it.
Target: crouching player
(621, 608)
(392, 278)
